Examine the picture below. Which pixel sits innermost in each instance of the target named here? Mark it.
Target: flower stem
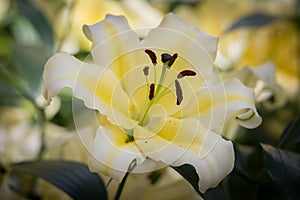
(42, 122)
(122, 184)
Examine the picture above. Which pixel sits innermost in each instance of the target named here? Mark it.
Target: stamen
(152, 56)
(186, 73)
(172, 60)
(165, 57)
(152, 89)
(178, 92)
(146, 70)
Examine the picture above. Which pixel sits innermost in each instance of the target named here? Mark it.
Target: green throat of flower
(156, 90)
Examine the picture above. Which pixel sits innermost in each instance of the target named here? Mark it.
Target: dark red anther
(186, 73)
(172, 60)
(146, 70)
(178, 92)
(152, 56)
(152, 89)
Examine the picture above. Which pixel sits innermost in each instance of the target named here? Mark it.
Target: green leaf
(284, 168)
(248, 161)
(73, 178)
(38, 20)
(254, 20)
(30, 61)
(189, 173)
(298, 7)
(291, 134)
(8, 96)
(24, 185)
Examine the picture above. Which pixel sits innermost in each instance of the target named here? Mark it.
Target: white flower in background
(156, 101)
(262, 79)
(267, 90)
(19, 139)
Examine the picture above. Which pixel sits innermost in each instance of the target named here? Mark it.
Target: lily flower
(158, 100)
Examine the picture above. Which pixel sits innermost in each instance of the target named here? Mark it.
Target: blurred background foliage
(251, 33)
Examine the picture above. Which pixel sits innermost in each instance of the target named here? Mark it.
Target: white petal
(219, 104)
(169, 143)
(63, 70)
(208, 152)
(91, 83)
(111, 39)
(175, 35)
(111, 155)
(215, 161)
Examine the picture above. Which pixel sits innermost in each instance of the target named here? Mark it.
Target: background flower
(276, 42)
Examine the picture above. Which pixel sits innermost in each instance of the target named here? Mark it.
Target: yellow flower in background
(276, 42)
(225, 13)
(75, 14)
(139, 13)
(159, 101)
(213, 16)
